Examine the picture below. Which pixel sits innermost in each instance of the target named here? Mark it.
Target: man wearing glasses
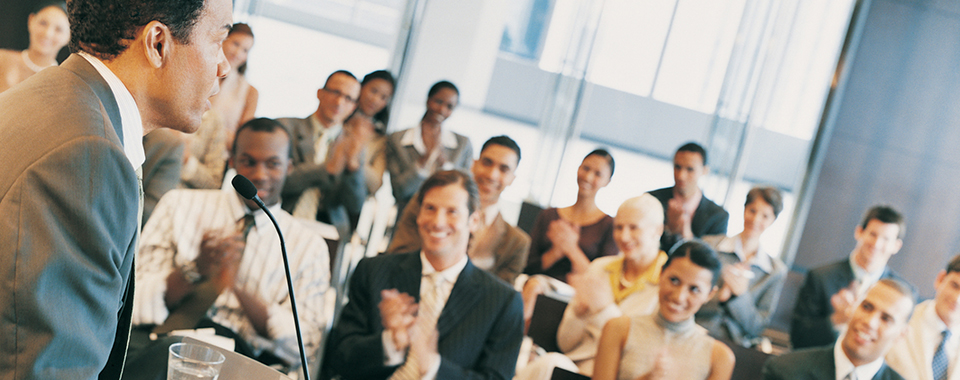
(327, 179)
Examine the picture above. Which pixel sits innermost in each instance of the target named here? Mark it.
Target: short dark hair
(344, 72)
(105, 28)
(442, 85)
(694, 148)
(50, 3)
(699, 253)
(504, 141)
(887, 215)
(262, 124)
(603, 153)
(954, 264)
(769, 194)
(903, 288)
(242, 29)
(384, 115)
(450, 177)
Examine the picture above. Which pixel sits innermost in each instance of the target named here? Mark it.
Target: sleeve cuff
(434, 368)
(393, 356)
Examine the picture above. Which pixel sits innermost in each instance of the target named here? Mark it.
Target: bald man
(611, 287)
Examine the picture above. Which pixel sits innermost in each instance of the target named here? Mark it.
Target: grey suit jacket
(68, 226)
(508, 244)
(342, 195)
(480, 327)
(810, 324)
(812, 364)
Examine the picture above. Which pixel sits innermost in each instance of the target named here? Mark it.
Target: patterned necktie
(245, 224)
(940, 358)
(429, 312)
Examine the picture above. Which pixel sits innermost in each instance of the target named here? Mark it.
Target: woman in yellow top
(49, 32)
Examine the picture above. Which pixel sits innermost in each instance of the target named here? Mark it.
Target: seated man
(687, 212)
(496, 247)
(467, 324)
(876, 324)
(612, 286)
(211, 258)
(830, 293)
(929, 350)
(327, 182)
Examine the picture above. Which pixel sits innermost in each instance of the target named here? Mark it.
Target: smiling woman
(49, 32)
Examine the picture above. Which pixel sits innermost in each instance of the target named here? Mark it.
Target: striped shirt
(172, 237)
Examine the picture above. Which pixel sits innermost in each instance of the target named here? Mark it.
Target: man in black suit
(687, 212)
(878, 321)
(830, 293)
(430, 314)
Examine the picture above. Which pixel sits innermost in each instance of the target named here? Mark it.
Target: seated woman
(373, 112)
(49, 32)
(611, 287)
(416, 153)
(668, 344)
(205, 158)
(751, 279)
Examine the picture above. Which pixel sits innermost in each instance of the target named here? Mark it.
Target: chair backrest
(547, 313)
(749, 364)
(562, 374)
(780, 320)
(528, 215)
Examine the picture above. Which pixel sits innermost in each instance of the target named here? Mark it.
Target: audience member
(205, 160)
(413, 154)
(496, 246)
(688, 212)
(668, 344)
(163, 158)
(327, 181)
(49, 32)
(611, 287)
(70, 207)
(929, 349)
(467, 323)
(876, 324)
(830, 293)
(751, 279)
(373, 110)
(210, 257)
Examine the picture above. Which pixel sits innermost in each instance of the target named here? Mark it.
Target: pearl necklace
(33, 66)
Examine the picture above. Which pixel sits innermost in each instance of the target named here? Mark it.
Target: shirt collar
(862, 275)
(130, 122)
(318, 127)
(450, 274)
(490, 214)
(260, 218)
(843, 365)
(413, 137)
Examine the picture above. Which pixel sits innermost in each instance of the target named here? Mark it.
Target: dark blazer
(708, 219)
(810, 324)
(69, 205)
(480, 327)
(812, 364)
(342, 195)
(507, 244)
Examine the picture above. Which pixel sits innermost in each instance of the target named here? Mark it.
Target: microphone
(249, 191)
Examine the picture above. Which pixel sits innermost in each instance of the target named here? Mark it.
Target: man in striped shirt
(210, 258)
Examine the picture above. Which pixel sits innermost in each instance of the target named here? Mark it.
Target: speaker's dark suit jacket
(708, 219)
(480, 327)
(813, 364)
(69, 203)
(810, 324)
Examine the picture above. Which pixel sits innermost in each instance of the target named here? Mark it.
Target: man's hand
(844, 303)
(593, 294)
(219, 257)
(679, 218)
(398, 313)
(423, 344)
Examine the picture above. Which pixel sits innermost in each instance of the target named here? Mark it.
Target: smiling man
(830, 293)
(929, 351)
(69, 197)
(430, 314)
(496, 246)
(876, 324)
(210, 258)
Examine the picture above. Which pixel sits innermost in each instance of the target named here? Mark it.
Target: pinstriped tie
(427, 315)
(940, 362)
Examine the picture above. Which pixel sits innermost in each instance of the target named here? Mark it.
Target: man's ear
(157, 41)
(473, 222)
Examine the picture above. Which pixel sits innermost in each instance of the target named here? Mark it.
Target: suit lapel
(304, 135)
(408, 274)
(78, 65)
(463, 297)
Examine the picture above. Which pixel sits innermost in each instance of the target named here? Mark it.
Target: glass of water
(193, 362)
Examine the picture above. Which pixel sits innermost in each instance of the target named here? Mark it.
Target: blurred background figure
(49, 32)
(373, 111)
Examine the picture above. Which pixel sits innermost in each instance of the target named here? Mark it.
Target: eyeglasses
(339, 94)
